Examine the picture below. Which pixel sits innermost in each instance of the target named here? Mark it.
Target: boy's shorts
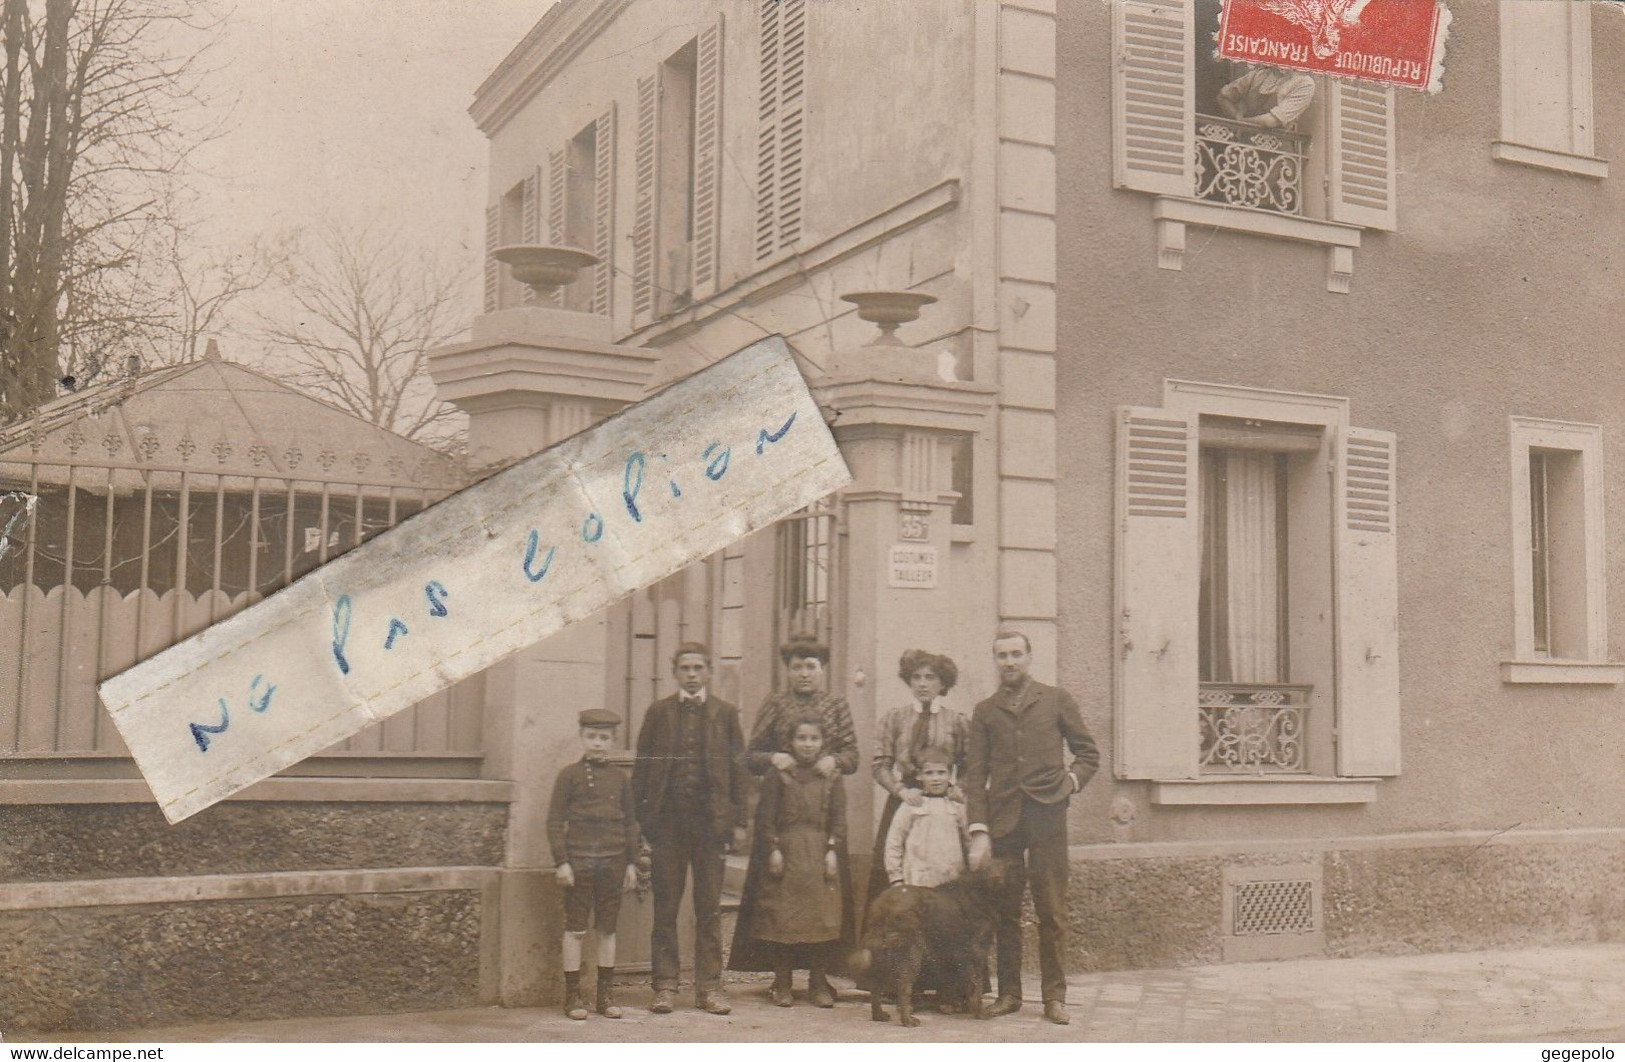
(596, 893)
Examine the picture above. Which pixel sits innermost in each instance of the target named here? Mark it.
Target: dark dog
(950, 926)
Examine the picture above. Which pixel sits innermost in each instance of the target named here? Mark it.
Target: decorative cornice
(574, 368)
(537, 59)
(867, 402)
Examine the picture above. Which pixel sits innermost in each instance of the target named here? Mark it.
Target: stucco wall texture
(121, 967)
(1138, 913)
(1499, 294)
(66, 842)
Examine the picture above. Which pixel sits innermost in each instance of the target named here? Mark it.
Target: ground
(1559, 995)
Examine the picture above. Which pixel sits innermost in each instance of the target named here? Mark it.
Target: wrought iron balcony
(1253, 728)
(1247, 165)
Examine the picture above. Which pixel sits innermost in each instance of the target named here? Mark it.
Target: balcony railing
(1255, 728)
(1246, 165)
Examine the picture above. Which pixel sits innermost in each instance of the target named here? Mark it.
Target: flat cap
(598, 717)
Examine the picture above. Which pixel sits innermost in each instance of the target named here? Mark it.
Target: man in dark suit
(688, 784)
(1017, 787)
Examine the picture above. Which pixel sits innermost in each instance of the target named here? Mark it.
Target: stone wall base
(1383, 896)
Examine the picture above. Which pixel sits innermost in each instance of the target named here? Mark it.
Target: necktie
(918, 739)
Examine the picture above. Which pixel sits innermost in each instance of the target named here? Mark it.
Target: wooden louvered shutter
(556, 179)
(645, 203)
(767, 132)
(792, 103)
(603, 213)
(781, 117)
(1157, 585)
(530, 221)
(1367, 608)
(493, 268)
(1360, 170)
(707, 160)
(1154, 96)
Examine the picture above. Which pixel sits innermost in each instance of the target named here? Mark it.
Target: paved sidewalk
(1562, 994)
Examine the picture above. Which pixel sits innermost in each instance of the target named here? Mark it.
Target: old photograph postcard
(812, 521)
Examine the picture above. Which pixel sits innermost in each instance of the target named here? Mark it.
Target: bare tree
(98, 112)
(360, 313)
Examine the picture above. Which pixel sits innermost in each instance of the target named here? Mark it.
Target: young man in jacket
(688, 783)
(1017, 788)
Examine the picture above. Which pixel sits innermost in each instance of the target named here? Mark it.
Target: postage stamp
(1391, 42)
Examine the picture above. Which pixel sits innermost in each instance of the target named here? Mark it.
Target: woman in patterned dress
(805, 659)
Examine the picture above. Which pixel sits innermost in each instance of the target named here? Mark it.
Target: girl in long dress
(806, 661)
(797, 902)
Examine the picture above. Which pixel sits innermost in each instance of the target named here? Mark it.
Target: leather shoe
(713, 1003)
(1003, 1005)
(663, 1001)
(1055, 1011)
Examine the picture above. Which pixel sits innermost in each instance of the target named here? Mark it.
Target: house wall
(110, 917)
(1495, 296)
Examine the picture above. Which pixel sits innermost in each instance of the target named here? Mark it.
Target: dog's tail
(860, 960)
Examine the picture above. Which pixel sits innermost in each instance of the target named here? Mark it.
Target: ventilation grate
(1268, 907)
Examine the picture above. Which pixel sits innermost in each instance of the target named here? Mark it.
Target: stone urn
(544, 269)
(888, 309)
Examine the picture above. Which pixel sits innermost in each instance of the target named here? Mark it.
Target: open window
(1257, 597)
(675, 230)
(1322, 162)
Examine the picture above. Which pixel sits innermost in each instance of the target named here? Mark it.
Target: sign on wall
(912, 567)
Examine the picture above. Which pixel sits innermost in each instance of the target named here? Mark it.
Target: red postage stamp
(1393, 42)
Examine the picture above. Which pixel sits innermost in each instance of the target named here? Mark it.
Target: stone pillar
(897, 422)
(528, 378)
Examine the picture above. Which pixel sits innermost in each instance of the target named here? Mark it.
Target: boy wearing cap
(593, 833)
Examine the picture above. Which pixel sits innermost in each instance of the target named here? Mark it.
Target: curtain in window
(1241, 567)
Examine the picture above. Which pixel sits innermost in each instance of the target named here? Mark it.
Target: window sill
(1545, 159)
(1172, 214)
(1272, 789)
(962, 533)
(1562, 672)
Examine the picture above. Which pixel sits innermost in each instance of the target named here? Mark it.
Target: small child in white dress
(927, 842)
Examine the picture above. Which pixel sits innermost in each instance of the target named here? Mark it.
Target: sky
(354, 111)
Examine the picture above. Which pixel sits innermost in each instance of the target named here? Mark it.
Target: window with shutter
(577, 212)
(1253, 149)
(1546, 87)
(707, 161)
(603, 231)
(1257, 605)
(1560, 619)
(780, 118)
(512, 211)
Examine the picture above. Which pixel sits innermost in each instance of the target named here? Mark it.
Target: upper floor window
(567, 200)
(1546, 112)
(675, 230)
(1192, 126)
